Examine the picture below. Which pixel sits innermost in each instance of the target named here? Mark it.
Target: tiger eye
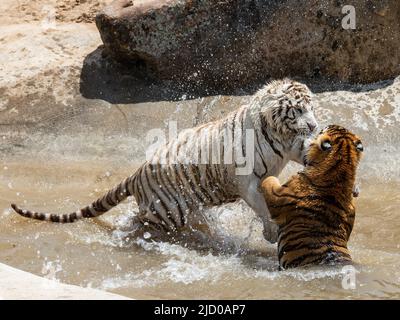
(326, 145)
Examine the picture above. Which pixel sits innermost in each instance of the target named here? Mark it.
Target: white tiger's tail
(97, 208)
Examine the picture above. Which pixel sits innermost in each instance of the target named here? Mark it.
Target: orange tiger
(314, 210)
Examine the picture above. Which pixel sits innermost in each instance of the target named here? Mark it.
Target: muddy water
(95, 253)
(64, 167)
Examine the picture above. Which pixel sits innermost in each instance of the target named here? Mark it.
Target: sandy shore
(13, 284)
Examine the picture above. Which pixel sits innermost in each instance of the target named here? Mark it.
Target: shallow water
(94, 253)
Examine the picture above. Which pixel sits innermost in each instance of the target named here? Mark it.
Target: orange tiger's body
(314, 210)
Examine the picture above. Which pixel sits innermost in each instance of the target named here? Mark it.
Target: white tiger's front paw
(271, 232)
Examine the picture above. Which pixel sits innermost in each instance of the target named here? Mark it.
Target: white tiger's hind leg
(256, 201)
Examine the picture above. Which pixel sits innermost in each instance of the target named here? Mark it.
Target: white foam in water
(7, 212)
(147, 235)
(237, 224)
(51, 268)
(188, 266)
(141, 280)
(184, 266)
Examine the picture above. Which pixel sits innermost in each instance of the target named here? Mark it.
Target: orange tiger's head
(335, 153)
(314, 210)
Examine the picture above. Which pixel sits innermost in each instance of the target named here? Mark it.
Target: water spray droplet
(147, 235)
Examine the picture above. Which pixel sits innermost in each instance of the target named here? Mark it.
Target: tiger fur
(314, 210)
(173, 184)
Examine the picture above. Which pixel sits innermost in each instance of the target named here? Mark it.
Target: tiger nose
(311, 126)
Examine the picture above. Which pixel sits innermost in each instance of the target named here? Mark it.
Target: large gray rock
(233, 43)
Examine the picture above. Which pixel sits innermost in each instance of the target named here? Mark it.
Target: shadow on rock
(102, 78)
(320, 85)
(132, 82)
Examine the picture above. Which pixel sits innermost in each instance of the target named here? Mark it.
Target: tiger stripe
(314, 209)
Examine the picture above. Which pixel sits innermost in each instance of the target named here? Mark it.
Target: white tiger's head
(286, 111)
(288, 108)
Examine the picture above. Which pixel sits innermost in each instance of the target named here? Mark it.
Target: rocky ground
(25, 11)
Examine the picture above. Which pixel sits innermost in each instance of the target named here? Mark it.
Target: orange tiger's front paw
(269, 182)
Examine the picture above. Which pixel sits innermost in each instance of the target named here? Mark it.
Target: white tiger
(200, 169)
